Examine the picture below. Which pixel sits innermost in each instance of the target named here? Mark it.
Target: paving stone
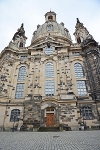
(69, 140)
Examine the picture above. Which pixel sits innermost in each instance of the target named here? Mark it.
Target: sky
(31, 13)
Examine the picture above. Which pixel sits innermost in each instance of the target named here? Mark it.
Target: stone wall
(68, 115)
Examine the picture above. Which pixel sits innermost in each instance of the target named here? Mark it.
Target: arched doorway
(50, 111)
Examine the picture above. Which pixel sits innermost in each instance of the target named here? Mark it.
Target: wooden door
(50, 120)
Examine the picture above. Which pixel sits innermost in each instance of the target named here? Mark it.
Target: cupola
(50, 16)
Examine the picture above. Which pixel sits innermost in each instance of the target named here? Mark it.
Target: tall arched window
(81, 84)
(86, 112)
(15, 114)
(49, 81)
(20, 83)
(78, 70)
(22, 73)
(49, 73)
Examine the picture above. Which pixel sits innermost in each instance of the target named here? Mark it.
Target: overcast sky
(31, 13)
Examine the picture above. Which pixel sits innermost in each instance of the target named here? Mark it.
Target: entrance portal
(49, 120)
(50, 117)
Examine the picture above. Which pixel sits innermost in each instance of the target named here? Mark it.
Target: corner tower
(81, 32)
(91, 56)
(19, 38)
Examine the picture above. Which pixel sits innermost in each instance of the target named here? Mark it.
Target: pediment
(52, 41)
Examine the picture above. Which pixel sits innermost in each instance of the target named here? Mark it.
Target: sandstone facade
(52, 82)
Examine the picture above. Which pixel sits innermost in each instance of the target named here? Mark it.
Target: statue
(78, 20)
(20, 32)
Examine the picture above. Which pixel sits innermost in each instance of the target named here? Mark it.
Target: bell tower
(50, 16)
(81, 32)
(19, 38)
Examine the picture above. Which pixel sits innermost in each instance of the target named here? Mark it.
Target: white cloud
(31, 13)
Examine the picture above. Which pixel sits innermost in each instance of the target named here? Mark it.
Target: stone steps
(49, 129)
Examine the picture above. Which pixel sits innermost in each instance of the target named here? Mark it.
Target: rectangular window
(49, 28)
(23, 57)
(76, 53)
(86, 113)
(15, 115)
(49, 87)
(19, 90)
(81, 86)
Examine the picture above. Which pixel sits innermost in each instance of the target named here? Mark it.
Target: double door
(50, 119)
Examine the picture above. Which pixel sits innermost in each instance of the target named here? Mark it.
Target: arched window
(22, 73)
(20, 86)
(78, 70)
(78, 40)
(15, 114)
(49, 82)
(49, 27)
(49, 71)
(86, 113)
(21, 44)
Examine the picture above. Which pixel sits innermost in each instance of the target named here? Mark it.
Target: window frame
(48, 50)
(78, 69)
(83, 89)
(14, 115)
(49, 87)
(49, 79)
(21, 74)
(49, 70)
(86, 113)
(23, 57)
(76, 53)
(19, 91)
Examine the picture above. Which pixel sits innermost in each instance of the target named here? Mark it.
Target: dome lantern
(50, 16)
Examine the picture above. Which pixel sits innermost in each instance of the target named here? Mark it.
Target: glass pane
(19, 90)
(15, 114)
(49, 87)
(23, 57)
(81, 86)
(49, 28)
(86, 112)
(22, 73)
(49, 50)
(78, 70)
(49, 72)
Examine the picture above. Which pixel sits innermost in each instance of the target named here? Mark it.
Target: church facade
(53, 82)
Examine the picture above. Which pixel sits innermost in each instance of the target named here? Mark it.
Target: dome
(51, 27)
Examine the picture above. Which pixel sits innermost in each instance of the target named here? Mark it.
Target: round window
(49, 50)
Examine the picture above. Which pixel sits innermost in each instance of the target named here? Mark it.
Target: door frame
(50, 112)
(51, 125)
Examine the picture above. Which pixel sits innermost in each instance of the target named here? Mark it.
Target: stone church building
(53, 82)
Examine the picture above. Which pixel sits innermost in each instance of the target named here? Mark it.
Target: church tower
(19, 38)
(81, 32)
(91, 55)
